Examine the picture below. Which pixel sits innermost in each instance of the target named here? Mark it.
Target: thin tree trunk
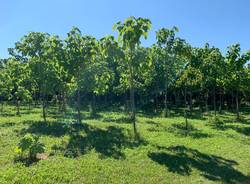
(132, 100)
(190, 103)
(185, 108)
(220, 107)
(92, 106)
(156, 104)
(44, 109)
(214, 94)
(18, 107)
(132, 95)
(63, 102)
(165, 114)
(79, 106)
(237, 105)
(177, 99)
(185, 96)
(2, 106)
(207, 109)
(232, 100)
(186, 120)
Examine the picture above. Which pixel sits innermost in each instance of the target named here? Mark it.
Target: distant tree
(236, 64)
(34, 47)
(14, 76)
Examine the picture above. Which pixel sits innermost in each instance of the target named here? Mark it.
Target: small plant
(30, 146)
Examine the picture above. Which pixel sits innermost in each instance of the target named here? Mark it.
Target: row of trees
(42, 67)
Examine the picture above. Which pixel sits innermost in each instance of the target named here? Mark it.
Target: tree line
(44, 68)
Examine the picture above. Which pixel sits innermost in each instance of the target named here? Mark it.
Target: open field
(102, 149)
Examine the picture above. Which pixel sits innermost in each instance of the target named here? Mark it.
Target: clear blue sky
(219, 22)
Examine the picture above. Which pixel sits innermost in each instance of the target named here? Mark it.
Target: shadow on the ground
(108, 142)
(181, 130)
(182, 160)
(7, 124)
(56, 129)
(225, 126)
(121, 120)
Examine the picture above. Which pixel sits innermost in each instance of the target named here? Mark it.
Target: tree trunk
(132, 101)
(63, 102)
(232, 100)
(2, 106)
(214, 99)
(220, 107)
(44, 109)
(92, 109)
(190, 103)
(165, 113)
(18, 107)
(177, 102)
(79, 106)
(237, 105)
(185, 96)
(186, 120)
(207, 109)
(185, 108)
(156, 103)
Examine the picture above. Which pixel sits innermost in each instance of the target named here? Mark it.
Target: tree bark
(18, 107)
(92, 109)
(132, 101)
(214, 99)
(207, 109)
(232, 100)
(79, 106)
(190, 102)
(220, 107)
(44, 109)
(165, 114)
(2, 106)
(237, 105)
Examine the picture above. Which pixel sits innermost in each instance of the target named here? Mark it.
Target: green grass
(102, 149)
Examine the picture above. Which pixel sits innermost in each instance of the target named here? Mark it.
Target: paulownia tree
(79, 50)
(130, 32)
(236, 64)
(170, 49)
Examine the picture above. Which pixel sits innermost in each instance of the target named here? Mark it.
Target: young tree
(212, 67)
(79, 50)
(236, 64)
(34, 47)
(14, 77)
(170, 49)
(130, 32)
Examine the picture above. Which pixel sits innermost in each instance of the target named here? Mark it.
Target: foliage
(30, 144)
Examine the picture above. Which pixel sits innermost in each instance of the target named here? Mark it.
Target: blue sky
(219, 22)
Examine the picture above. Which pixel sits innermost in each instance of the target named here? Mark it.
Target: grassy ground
(102, 149)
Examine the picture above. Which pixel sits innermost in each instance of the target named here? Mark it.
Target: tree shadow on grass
(182, 160)
(108, 142)
(189, 131)
(7, 124)
(196, 114)
(121, 120)
(179, 130)
(223, 127)
(56, 129)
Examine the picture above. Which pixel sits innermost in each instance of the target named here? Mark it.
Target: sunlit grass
(103, 150)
